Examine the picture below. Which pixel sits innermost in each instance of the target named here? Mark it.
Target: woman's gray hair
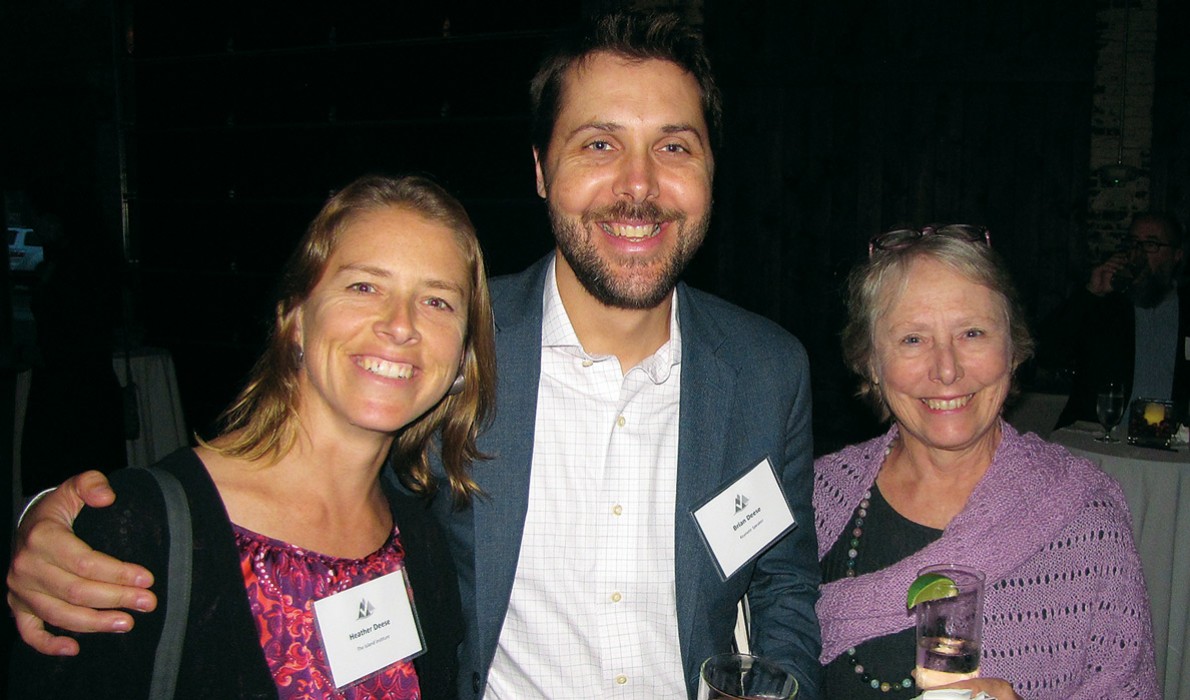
(875, 285)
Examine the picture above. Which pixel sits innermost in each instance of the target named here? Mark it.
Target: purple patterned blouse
(283, 581)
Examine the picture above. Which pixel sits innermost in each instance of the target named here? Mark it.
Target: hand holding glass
(950, 630)
(744, 677)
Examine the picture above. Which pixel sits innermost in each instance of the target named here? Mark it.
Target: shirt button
(621, 679)
(616, 597)
(617, 509)
(621, 421)
(587, 363)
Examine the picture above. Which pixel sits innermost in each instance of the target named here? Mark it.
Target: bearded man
(1130, 325)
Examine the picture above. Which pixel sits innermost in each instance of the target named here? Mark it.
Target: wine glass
(1109, 402)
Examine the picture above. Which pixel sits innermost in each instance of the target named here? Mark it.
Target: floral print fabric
(282, 582)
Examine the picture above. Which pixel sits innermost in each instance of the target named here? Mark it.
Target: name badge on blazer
(744, 518)
(368, 628)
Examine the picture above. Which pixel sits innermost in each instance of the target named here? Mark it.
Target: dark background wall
(850, 119)
(226, 124)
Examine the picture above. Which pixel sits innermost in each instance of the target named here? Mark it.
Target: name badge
(368, 627)
(744, 518)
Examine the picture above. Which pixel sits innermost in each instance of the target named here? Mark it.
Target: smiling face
(627, 178)
(382, 332)
(944, 359)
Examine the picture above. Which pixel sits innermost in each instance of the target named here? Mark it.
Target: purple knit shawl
(1066, 612)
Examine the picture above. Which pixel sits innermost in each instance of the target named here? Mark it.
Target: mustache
(633, 211)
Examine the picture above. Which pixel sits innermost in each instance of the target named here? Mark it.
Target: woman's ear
(293, 321)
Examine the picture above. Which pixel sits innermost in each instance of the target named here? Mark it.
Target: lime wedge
(931, 587)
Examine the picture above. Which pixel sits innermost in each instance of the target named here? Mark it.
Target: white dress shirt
(1156, 346)
(593, 612)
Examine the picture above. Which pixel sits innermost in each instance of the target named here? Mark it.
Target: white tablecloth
(162, 425)
(1156, 484)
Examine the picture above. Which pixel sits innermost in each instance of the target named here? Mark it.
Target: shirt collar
(558, 332)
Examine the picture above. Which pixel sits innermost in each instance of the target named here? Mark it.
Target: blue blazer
(745, 396)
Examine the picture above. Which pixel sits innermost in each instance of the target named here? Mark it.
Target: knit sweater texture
(1066, 611)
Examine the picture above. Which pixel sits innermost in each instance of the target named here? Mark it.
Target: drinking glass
(1132, 267)
(1109, 403)
(950, 630)
(744, 677)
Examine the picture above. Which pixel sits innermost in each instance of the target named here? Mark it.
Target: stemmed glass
(1109, 402)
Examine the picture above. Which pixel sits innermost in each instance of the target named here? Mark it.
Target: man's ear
(542, 190)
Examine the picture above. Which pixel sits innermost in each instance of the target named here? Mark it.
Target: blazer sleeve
(784, 588)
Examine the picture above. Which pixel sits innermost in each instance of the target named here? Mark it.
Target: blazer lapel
(708, 385)
(499, 514)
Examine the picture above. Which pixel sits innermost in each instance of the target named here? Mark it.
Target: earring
(301, 355)
(456, 387)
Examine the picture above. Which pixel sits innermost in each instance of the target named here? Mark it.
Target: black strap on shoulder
(177, 610)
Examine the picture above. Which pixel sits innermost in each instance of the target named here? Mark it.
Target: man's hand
(56, 578)
(1101, 277)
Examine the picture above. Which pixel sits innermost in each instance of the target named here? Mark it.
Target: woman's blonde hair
(262, 422)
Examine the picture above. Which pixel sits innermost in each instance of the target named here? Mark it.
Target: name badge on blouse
(368, 627)
(744, 518)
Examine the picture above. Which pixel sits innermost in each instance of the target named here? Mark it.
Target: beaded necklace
(861, 673)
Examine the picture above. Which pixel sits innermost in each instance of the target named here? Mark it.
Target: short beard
(597, 275)
(1149, 291)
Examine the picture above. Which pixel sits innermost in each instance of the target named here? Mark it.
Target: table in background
(162, 425)
(1154, 482)
(159, 408)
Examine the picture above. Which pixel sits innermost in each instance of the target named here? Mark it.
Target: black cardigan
(222, 657)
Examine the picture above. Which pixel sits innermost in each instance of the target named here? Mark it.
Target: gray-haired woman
(935, 335)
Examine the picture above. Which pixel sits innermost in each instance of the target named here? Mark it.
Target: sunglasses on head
(904, 237)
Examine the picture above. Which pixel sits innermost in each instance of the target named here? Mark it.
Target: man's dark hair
(637, 36)
(1168, 223)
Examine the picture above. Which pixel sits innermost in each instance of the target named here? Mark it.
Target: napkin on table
(952, 694)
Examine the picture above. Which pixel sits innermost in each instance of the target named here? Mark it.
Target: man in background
(1130, 325)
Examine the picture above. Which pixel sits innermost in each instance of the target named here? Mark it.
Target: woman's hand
(995, 687)
(56, 578)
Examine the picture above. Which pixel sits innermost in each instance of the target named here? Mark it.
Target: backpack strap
(168, 659)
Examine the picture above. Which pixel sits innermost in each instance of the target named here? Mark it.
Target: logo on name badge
(365, 608)
(741, 502)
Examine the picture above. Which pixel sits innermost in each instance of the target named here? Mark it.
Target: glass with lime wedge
(931, 586)
(947, 601)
